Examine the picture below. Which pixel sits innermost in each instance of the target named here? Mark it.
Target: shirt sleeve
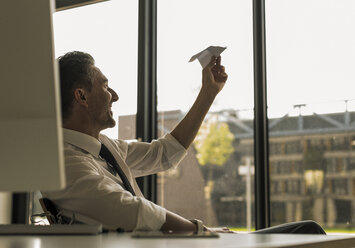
(93, 194)
(159, 155)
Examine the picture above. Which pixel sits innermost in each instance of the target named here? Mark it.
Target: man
(100, 172)
(93, 192)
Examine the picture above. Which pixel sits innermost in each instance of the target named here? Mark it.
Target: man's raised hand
(214, 76)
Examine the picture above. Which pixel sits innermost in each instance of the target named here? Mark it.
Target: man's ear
(81, 97)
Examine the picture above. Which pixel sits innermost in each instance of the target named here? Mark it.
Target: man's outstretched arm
(213, 80)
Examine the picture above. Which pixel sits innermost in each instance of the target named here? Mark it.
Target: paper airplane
(205, 56)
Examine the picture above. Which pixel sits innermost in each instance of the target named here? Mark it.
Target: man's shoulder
(118, 145)
(72, 150)
(77, 159)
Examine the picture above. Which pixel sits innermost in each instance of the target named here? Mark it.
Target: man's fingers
(218, 70)
(215, 63)
(219, 73)
(211, 63)
(218, 62)
(224, 76)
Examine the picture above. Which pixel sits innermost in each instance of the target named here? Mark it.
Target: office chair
(51, 211)
(56, 219)
(54, 214)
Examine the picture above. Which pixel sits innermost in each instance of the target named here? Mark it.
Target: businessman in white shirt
(93, 192)
(103, 190)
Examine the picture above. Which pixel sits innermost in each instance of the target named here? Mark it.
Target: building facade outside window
(310, 56)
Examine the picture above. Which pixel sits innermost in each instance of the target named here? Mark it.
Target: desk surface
(114, 240)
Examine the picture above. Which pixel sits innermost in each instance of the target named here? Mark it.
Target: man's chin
(109, 124)
(112, 123)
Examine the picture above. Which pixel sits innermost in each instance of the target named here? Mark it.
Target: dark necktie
(113, 165)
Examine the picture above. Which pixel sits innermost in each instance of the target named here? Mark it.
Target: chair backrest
(48, 206)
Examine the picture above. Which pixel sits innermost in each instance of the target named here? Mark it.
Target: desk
(117, 240)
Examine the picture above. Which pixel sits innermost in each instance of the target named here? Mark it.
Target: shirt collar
(83, 141)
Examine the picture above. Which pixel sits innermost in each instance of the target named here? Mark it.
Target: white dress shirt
(97, 196)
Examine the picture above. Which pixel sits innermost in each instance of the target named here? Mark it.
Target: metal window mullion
(261, 142)
(146, 119)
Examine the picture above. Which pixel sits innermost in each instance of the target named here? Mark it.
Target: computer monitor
(31, 152)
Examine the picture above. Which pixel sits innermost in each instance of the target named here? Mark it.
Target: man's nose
(114, 95)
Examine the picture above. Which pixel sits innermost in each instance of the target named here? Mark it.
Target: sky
(310, 47)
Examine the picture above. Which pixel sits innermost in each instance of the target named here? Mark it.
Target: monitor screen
(31, 152)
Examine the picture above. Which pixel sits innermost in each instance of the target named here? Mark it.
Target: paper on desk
(205, 56)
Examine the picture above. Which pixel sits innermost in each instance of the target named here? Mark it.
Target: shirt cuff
(150, 217)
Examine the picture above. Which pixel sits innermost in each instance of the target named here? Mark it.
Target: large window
(310, 61)
(311, 108)
(209, 184)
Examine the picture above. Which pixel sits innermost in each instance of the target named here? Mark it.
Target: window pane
(310, 64)
(109, 32)
(208, 184)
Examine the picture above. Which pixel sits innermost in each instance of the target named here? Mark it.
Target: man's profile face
(100, 101)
